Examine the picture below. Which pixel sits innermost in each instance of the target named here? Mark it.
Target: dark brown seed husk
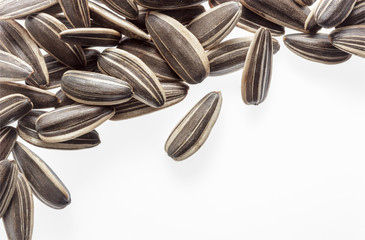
(126, 8)
(12, 68)
(168, 4)
(283, 12)
(357, 15)
(108, 19)
(350, 39)
(18, 219)
(230, 56)
(126, 66)
(8, 136)
(44, 182)
(27, 131)
(41, 25)
(305, 2)
(69, 122)
(15, 39)
(11, 9)
(91, 36)
(8, 178)
(13, 107)
(39, 97)
(175, 93)
(256, 74)
(193, 130)
(213, 26)
(183, 52)
(315, 48)
(77, 12)
(95, 88)
(148, 53)
(64, 100)
(64, 20)
(331, 13)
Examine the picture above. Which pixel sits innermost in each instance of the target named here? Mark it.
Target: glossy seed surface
(12, 68)
(11, 9)
(13, 107)
(77, 12)
(350, 39)
(8, 136)
(91, 36)
(126, 8)
(168, 4)
(357, 15)
(331, 13)
(8, 179)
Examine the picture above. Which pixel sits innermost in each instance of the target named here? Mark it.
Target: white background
(291, 168)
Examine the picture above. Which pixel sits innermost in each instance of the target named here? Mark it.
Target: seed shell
(91, 36)
(126, 8)
(39, 97)
(168, 4)
(8, 136)
(77, 12)
(12, 68)
(42, 24)
(15, 39)
(350, 39)
(305, 2)
(256, 75)
(315, 48)
(64, 21)
(8, 178)
(11, 9)
(331, 13)
(183, 52)
(19, 218)
(64, 100)
(13, 107)
(193, 130)
(357, 15)
(69, 122)
(125, 66)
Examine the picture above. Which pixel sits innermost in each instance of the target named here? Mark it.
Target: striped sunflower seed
(124, 65)
(95, 88)
(305, 2)
(315, 48)
(8, 178)
(13, 107)
(357, 16)
(193, 130)
(283, 12)
(11, 9)
(42, 24)
(19, 218)
(27, 131)
(77, 12)
(91, 36)
(15, 39)
(12, 68)
(64, 100)
(46, 186)
(8, 136)
(230, 56)
(213, 26)
(39, 97)
(331, 13)
(183, 52)
(148, 53)
(310, 22)
(108, 19)
(69, 122)
(126, 8)
(64, 21)
(168, 4)
(350, 39)
(256, 75)
(175, 93)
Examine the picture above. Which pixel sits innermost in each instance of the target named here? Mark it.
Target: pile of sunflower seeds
(166, 45)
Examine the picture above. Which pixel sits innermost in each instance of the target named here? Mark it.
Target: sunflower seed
(109, 20)
(357, 16)
(350, 39)
(19, 218)
(126, 8)
(310, 22)
(168, 4)
(95, 88)
(91, 36)
(15, 39)
(213, 26)
(42, 24)
(77, 12)
(315, 48)
(44, 182)
(64, 21)
(8, 136)
(39, 97)
(12, 68)
(124, 65)
(11, 9)
(69, 122)
(175, 93)
(305, 2)
(331, 13)
(148, 53)
(64, 100)
(13, 107)
(257, 70)
(283, 12)
(230, 55)
(192, 131)
(8, 178)
(183, 52)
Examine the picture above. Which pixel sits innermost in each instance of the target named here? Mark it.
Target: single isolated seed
(11, 9)
(126, 8)
(13, 107)
(12, 68)
(192, 131)
(168, 4)
(8, 136)
(91, 36)
(77, 12)
(357, 15)
(8, 179)
(331, 13)
(350, 39)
